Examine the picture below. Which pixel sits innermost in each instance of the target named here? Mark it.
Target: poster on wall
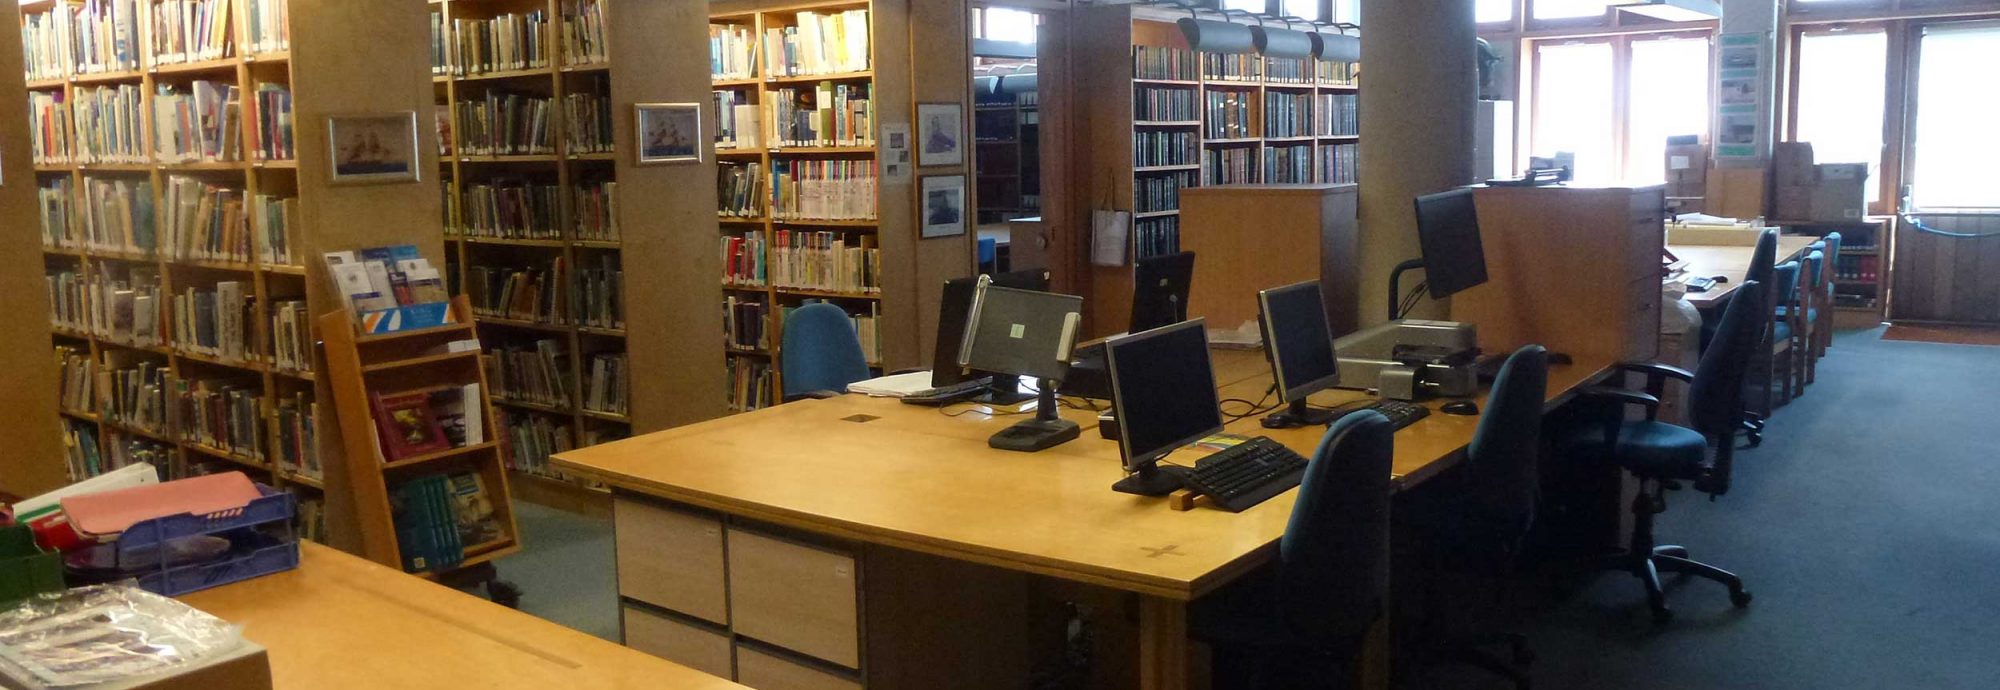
(895, 140)
(1739, 124)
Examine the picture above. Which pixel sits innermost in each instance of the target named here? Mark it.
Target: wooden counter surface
(338, 621)
(1731, 262)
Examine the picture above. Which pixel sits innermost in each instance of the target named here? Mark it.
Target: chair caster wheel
(1756, 439)
(1741, 598)
(1663, 616)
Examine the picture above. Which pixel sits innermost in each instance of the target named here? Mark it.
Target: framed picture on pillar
(941, 206)
(940, 134)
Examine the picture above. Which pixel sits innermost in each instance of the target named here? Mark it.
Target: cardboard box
(1792, 202)
(1792, 165)
(1841, 193)
(1736, 192)
(1687, 170)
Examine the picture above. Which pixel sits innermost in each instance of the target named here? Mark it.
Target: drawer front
(762, 671)
(671, 559)
(1642, 340)
(678, 642)
(798, 597)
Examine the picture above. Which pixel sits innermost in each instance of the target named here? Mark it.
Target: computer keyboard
(1246, 474)
(945, 395)
(1400, 414)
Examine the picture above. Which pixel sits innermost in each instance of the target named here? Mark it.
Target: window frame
(1526, 116)
(1888, 165)
(1533, 103)
(1912, 54)
(1623, 79)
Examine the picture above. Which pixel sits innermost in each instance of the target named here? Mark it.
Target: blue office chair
(1824, 329)
(1302, 620)
(1762, 260)
(1662, 456)
(1481, 530)
(821, 352)
(1777, 362)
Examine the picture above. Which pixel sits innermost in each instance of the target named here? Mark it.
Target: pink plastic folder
(111, 512)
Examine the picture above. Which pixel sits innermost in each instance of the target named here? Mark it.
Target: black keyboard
(1246, 474)
(1400, 414)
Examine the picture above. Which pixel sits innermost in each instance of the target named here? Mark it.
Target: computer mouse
(1460, 407)
(1719, 278)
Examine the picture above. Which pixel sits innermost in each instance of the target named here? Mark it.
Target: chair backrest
(1785, 284)
(1821, 275)
(1334, 558)
(1501, 481)
(1763, 257)
(1715, 398)
(1832, 240)
(821, 350)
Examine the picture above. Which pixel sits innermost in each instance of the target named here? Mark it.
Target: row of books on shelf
(732, 52)
(503, 124)
(297, 440)
(1857, 268)
(428, 420)
(109, 124)
(1339, 163)
(269, 23)
(823, 189)
(743, 260)
(1158, 62)
(825, 260)
(1163, 103)
(1336, 114)
(49, 127)
(521, 293)
(1288, 164)
(827, 115)
(440, 518)
(86, 459)
(1287, 114)
(587, 122)
(274, 123)
(383, 278)
(121, 309)
(291, 336)
(737, 123)
(1152, 193)
(583, 36)
(594, 210)
(78, 379)
(744, 322)
(1227, 115)
(1153, 148)
(598, 300)
(104, 36)
(1156, 236)
(53, 205)
(1333, 73)
(205, 221)
(530, 439)
(740, 190)
(199, 124)
(215, 322)
(751, 385)
(508, 42)
(118, 215)
(1232, 66)
(212, 322)
(190, 30)
(214, 413)
(607, 387)
(45, 42)
(536, 373)
(1230, 166)
(510, 209)
(1288, 71)
(820, 43)
(218, 414)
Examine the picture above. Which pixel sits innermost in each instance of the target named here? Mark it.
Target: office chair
(1804, 312)
(1663, 456)
(1481, 530)
(1762, 260)
(1302, 621)
(1825, 328)
(821, 352)
(1777, 362)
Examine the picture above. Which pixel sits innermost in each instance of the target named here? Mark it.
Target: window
(1570, 9)
(1842, 82)
(1258, 6)
(1303, 9)
(1493, 11)
(1347, 11)
(1573, 107)
(1013, 26)
(1955, 144)
(1669, 97)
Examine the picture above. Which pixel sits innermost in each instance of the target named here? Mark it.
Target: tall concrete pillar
(1420, 87)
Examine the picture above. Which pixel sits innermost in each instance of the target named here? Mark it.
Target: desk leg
(1163, 644)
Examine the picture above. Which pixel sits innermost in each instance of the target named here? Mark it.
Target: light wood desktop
(877, 472)
(338, 621)
(1729, 261)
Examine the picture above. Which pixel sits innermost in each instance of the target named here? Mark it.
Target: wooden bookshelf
(264, 284)
(1142, 184)
(762, 90)
(469, 247)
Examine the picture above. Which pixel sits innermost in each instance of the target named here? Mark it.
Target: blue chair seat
(1647, 448)
(1811, 314)
(1780, 331)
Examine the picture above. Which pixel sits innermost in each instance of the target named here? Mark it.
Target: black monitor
(1448, 230)
(1163, 389)
(1300, 346)
(1160, 290)
(1024, 333)
(952, 312)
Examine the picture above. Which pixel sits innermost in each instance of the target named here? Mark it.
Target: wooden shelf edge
(436, 456)
(419, 361)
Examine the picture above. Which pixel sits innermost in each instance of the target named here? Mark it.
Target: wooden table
(878, 472)
(1730, 261)
(338, 621)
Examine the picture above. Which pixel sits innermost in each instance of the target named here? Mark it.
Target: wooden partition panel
(33, 462)
(1952, 279)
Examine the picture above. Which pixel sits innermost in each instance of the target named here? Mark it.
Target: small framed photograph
(940, 134)
(378, 148)
(943, 211)
(668, 133)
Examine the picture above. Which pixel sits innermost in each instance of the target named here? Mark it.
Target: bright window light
(1573, 107)
(1245, 5)
(1956, 145)
(1013, 26)
(1571, 9)
(1490, 11)
(1303, 9)
(1841, 86)
(1669, 92)
(1347, 11)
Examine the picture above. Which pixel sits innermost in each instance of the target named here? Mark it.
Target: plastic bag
(106, 633)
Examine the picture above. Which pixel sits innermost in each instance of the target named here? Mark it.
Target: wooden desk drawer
(763, 671)
(794, 596)
(671, 559)
(1642, 339)
(679, 642)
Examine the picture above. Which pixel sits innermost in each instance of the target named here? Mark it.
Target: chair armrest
(818, 395)
(1658, 369)
(1621, 395)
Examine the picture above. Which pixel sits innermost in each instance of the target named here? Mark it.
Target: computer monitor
(1300, 346)
(953, 309)
(1163, 389)
(1024, 333)
(1448, 230)
(1160, 290)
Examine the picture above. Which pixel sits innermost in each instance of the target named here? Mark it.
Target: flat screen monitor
(1020, 332)
(1448, 230)
(1160, 290)
(1298, 340)
(1163, 389)
(952, 312)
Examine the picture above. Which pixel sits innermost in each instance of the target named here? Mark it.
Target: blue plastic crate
(261, 537)
(273, 506)
(252, 554)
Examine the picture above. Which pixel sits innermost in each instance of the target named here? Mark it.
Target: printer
(1408, 359)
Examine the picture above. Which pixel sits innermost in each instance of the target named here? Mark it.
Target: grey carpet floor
(1868, 527)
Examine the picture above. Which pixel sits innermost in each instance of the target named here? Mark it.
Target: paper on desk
(1244, 337)
(893, 386)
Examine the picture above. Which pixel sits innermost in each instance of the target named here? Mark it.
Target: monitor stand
(1004, 391)
(1151, 480)
(1046, 430)
(1298, 414)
